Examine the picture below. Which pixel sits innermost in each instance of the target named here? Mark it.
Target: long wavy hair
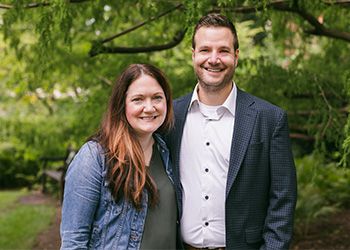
(127, 172)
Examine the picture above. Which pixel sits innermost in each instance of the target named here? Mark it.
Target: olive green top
(160, 225)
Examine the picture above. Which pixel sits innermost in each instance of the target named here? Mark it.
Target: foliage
(322, 189)
(16, 170)
(20, 223)
(54, 93)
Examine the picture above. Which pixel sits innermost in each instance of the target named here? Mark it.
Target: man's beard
(216, 87)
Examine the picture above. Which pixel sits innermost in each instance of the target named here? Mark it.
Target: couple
(227, 180)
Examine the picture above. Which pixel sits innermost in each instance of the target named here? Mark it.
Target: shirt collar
(229, 104)
(194, 98)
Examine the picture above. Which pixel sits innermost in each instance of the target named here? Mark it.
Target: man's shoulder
(183, 98)
(181, 103)
(259, 103)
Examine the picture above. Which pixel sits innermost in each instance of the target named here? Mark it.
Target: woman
(119, 189)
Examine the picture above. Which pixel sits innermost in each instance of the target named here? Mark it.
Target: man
(231, 154)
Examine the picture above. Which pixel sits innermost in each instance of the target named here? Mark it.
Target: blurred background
(60, 58)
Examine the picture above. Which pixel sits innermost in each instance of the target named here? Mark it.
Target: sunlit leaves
(46, 52)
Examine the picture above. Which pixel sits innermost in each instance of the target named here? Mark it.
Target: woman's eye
(158, 98)
(136, 99)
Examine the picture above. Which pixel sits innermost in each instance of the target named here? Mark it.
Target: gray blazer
(261, 188)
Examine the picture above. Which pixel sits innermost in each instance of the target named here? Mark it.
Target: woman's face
(145, 105)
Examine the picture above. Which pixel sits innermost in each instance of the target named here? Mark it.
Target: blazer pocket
(253, 235)
(256, 145)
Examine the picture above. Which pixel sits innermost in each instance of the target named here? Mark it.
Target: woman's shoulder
(91, 147)
(92, 150)
(160, 141)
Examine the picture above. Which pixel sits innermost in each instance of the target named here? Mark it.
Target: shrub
(322, 189)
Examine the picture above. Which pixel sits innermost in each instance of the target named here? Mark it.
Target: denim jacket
(91, 219)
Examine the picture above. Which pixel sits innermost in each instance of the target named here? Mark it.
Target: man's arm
(278, 228)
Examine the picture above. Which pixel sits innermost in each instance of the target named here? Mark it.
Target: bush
(26, 140)
(322, 189)
(16, 170)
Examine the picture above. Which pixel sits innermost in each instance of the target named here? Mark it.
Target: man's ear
(236, 56)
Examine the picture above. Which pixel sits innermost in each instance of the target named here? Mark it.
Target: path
(331, 233)
(49, 239)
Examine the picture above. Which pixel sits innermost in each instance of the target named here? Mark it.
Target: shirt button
(206, 197)
(207, 143)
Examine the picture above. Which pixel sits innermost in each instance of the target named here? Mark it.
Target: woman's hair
(127, 171)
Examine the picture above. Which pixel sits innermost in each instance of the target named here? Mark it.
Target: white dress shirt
(204, 161)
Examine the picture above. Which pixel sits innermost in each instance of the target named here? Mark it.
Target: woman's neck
(146, 145)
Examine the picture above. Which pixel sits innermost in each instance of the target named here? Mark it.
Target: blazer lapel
(180, 111)
(244, 122)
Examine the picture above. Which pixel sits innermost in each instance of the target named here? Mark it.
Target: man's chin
(211, 84)
(214, 86)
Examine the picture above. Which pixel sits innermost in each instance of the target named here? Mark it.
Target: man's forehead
(218, 36)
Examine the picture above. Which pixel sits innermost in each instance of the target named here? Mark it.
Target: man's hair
(216, 20)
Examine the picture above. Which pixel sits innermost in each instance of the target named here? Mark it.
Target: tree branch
(342, 3)
(343, 110)
(105, 80)
(139, 25)
(301, 137)
(319, 28)
(280, 5)
(36, 5)
(98, 48)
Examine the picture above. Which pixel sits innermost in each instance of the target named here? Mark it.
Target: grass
(21, 223)
(9, 197)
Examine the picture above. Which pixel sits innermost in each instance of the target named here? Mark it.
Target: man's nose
(214, 58)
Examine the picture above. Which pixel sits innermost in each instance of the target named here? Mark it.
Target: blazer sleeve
(278, 226)
(81, 197)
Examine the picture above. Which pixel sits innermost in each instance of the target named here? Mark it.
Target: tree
(61, 57)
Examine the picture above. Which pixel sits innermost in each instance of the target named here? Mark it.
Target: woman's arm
(81, 197)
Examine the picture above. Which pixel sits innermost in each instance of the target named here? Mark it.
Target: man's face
(214, 58)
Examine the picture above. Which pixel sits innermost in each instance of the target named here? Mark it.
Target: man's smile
(213, 69)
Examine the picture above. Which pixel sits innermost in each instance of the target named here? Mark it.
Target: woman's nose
(148, 106)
